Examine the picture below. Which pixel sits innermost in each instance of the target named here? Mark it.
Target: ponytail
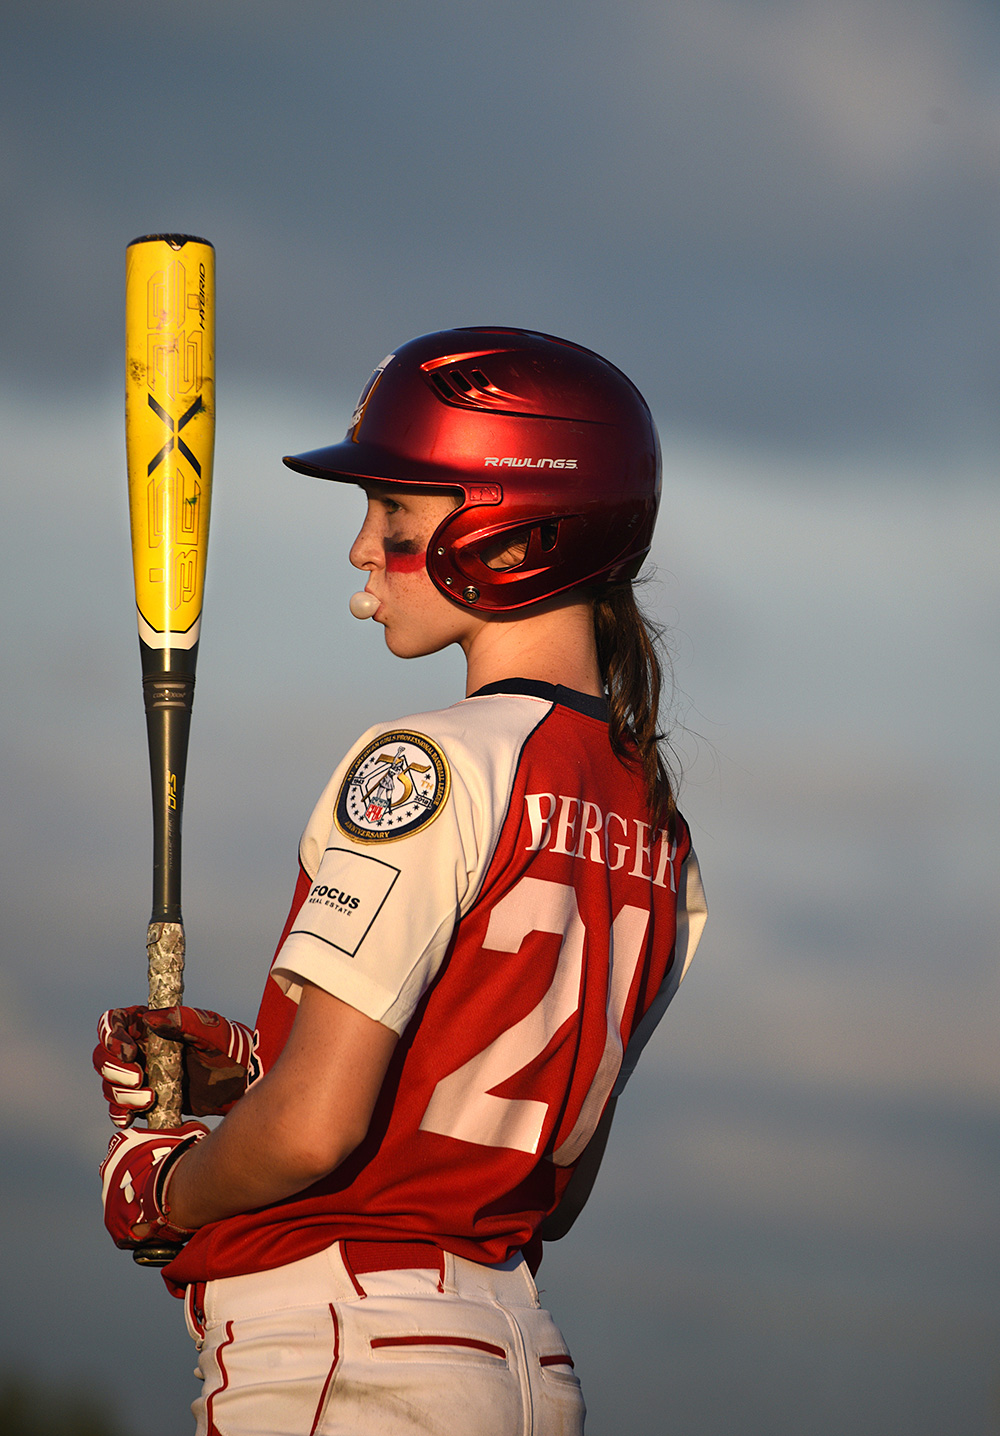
(629, 660)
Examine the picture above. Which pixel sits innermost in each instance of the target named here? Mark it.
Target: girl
(496, 902)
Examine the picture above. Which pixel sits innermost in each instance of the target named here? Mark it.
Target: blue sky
(781, 219)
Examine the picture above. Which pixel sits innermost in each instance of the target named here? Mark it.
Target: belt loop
(343, 1248)
(527, 1277)
(448, 1281)
(194, 1314)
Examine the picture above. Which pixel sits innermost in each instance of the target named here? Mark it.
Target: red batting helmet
(535, 433)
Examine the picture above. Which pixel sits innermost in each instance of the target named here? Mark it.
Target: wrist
(166, 1197)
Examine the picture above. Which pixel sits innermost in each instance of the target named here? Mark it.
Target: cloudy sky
(780, 217)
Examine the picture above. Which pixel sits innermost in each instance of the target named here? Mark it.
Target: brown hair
(628, 652)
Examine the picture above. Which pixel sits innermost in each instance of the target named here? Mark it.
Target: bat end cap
(155, 1253)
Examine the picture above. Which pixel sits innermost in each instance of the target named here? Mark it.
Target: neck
(553, 643)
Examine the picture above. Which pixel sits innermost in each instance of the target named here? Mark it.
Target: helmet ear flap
(508, 566)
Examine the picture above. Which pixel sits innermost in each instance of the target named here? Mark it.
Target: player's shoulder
(402, 772)
(480, 725)
(473, 742)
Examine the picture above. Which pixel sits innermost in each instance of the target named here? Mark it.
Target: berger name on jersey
(578, 828)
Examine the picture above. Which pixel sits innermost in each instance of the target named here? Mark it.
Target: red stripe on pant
(213, 1430)
(329, 1374)
(439, 1341)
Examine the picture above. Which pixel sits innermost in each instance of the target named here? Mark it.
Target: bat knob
(155, 1253)
(363, 605)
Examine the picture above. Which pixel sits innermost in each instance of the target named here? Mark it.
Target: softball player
(496, 902)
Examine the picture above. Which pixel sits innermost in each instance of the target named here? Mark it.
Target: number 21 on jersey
(462, 1104)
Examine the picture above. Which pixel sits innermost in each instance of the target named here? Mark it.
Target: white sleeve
(692, 911)
(397, 850)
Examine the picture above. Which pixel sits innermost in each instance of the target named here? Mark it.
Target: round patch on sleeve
(395, 787)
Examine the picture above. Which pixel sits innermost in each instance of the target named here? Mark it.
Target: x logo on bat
(175, 434)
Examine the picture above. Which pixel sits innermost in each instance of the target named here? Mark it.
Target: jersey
(484, 881)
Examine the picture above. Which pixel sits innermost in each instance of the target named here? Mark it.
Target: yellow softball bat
(170, 429)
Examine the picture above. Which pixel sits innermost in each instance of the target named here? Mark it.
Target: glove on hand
(216, 1054)
(134, 1177)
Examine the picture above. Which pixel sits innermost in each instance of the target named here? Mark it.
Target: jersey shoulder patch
(395, 786)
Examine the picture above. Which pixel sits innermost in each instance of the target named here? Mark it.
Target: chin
(403, 645)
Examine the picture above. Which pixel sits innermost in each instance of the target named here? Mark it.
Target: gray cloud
(777, 217)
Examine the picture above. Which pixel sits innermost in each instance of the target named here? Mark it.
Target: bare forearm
(296, 1124)
(253, 1159)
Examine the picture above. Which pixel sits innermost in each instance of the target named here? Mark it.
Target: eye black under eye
(401, 545)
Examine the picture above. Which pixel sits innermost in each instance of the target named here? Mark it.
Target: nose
(366, 550)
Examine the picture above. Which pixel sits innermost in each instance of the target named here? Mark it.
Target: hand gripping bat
(169, 441)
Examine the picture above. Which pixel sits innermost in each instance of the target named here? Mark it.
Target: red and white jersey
(484, 881)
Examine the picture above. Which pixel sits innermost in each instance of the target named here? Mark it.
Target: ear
(508, 551)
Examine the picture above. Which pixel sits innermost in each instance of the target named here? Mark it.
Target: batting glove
(216, 1055)
(119, 1062)
(134, 1180)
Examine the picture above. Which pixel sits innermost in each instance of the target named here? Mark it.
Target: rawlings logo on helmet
(530, 463)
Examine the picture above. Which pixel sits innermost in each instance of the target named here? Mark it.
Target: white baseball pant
(321, 1347)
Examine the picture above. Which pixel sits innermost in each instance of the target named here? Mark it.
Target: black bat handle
(168, 691)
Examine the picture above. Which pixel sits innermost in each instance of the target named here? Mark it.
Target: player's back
(565, 942)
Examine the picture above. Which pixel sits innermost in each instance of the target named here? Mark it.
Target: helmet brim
(357, 463)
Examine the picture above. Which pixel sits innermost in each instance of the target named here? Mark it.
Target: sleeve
(396, 849)
(692, 913)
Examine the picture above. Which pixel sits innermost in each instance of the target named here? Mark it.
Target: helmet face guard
(535, 434)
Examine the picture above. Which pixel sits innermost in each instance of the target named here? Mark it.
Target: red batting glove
(216, 1055)
(135, 1175)
(119, 1060)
